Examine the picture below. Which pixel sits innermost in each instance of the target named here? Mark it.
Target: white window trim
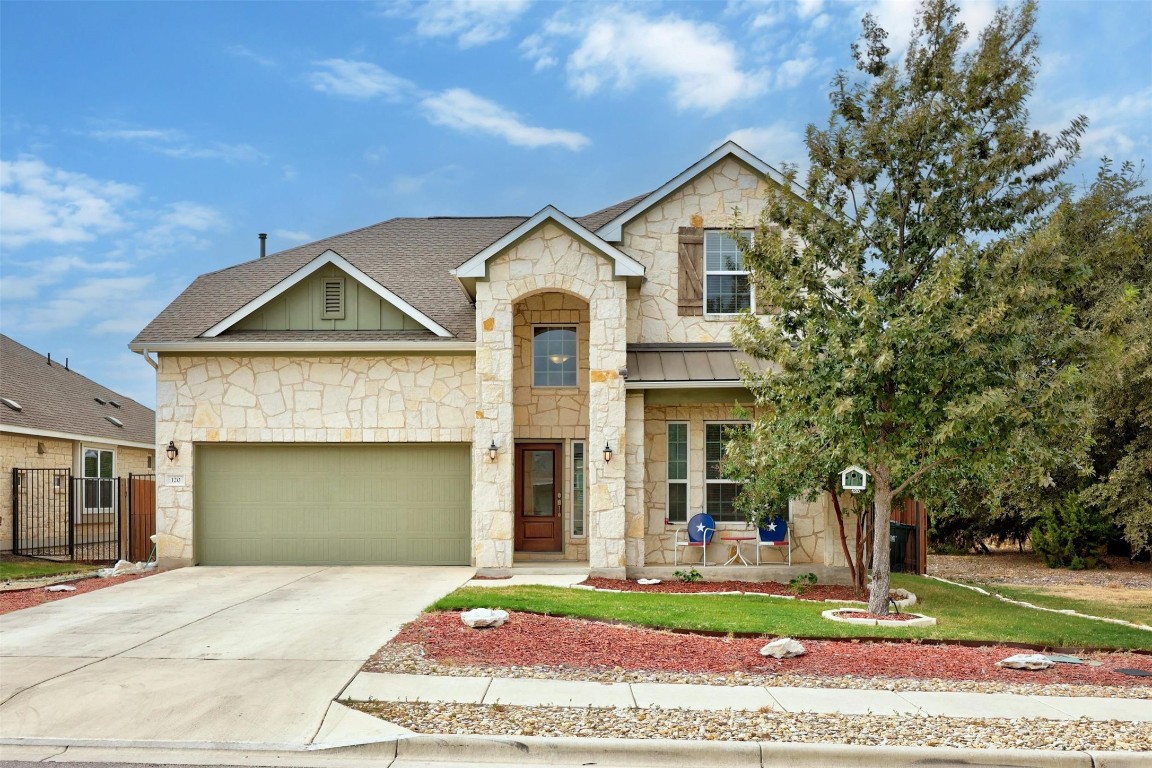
(707, 272)
(84, 508)
(686, 482)
(572, 491)
(720, 480)
(532, 354)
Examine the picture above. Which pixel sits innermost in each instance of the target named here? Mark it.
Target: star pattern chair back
(774, 530)
(701, 528)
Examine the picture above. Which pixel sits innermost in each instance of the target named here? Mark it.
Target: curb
(536, 751)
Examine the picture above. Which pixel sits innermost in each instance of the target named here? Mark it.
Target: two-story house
(475, 391)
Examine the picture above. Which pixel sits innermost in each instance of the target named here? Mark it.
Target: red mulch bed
(817, 592)
(14, 600)
(532, 640)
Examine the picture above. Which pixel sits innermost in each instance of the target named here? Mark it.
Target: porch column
(634, 473)
(607, 356)
(492, 481)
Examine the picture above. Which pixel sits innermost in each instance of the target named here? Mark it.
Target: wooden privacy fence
(914, 513)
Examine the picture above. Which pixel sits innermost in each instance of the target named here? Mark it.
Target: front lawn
(15, 568)
(962, 614)
(1134, 605)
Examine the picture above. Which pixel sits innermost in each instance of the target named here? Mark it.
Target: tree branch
(920, 473)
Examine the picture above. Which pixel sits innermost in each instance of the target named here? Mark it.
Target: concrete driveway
(206, 656)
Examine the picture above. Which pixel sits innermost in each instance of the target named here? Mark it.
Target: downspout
(151, 362)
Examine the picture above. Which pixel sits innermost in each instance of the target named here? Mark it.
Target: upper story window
(727, 289)
(554, 356)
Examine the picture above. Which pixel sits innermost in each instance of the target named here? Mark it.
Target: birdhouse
(854, 479)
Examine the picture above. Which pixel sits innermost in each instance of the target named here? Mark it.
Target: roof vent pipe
(263, 241)
(49, 358)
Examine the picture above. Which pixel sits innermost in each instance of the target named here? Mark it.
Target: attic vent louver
(102, 402)
(114, 421)
(333, 298)
(11, 403)
(113, 403)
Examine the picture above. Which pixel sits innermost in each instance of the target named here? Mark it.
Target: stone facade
(653, 240)
(270, 399)
(549, 260)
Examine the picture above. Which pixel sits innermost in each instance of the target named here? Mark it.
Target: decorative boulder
(647, 582)
(1027, 661)
(479, 618)
(784, 648)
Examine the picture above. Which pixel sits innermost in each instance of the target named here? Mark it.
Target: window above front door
(554, 356)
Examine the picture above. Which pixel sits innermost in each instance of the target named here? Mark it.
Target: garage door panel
(310, 504)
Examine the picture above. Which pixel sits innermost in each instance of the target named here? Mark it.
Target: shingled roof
(412, 258)
(55, 399)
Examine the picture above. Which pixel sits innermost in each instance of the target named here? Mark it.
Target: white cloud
(181, 224)
(806, 9)
(293, 235)
(464, 111)
(621, 48)
(86, 306)
(775, 144)
(357, 80)
(471, 22)
(896, 17)
(174, 143)
(793, 72)
(245, 52)
(1117, 127)
(41, 204)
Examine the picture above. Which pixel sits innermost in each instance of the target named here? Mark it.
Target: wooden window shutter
(690, 274)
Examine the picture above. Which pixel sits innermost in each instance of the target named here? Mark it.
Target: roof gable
(612, 231)
(623, 264)
(327, 257)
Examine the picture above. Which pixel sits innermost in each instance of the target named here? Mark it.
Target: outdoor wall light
(607, 452)
(559, 359)
(172, 451)
(492, 451)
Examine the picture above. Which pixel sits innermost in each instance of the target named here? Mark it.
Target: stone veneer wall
(551, 413)
(324, 399)
(545, 261)
(809, 520)
(653, 240)
(22, 451)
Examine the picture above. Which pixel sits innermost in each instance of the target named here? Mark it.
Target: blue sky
(145, 143)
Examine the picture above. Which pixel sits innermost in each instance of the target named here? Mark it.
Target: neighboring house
(52, 418)
(467, 390)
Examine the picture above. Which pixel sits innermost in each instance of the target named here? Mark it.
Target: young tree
(913, 333)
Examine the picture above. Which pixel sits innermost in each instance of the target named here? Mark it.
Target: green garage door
(266, 504)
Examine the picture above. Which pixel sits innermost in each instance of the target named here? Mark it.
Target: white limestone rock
(1030, 661)
(647, 582)
(784, 648)
(481, 618)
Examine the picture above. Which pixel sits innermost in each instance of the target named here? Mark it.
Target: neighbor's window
(727, 290)
(677, 472)
(577, 489)
(719, 492)
(554, 356)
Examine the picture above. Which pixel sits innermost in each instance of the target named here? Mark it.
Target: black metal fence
(60, 517)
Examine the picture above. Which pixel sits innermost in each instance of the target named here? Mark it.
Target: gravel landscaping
(868, 730)
(21, 594)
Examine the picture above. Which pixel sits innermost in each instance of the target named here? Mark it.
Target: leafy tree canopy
(913, 331)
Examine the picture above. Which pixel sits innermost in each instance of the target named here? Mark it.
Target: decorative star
(700, 527)
(772, 525)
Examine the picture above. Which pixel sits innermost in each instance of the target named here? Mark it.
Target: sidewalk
(563, 693)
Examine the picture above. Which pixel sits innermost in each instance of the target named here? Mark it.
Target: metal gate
(60, 517)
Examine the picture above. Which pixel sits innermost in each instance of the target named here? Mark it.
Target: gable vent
(114, 421)
(11, 403)
(333, 298)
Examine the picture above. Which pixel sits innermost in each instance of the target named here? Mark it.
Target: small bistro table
(739, 540)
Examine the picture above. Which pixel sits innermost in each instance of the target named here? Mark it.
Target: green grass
(962, 614)
(31, 569)
(1128, 604)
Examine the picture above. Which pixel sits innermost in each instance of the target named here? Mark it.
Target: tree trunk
(831, 488)
(881, 547)
(858, 587)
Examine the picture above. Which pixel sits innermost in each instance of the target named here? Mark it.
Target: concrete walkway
(565, 693)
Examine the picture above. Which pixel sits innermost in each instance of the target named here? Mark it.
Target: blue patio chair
(701, 528)
(774, 533)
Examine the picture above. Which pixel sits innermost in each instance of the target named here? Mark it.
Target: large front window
(727, 290)
(719, 492)
(554, 356)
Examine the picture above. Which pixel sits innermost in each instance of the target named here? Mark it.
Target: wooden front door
(539, 523)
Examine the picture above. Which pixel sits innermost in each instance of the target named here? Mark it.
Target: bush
(1069, 535)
